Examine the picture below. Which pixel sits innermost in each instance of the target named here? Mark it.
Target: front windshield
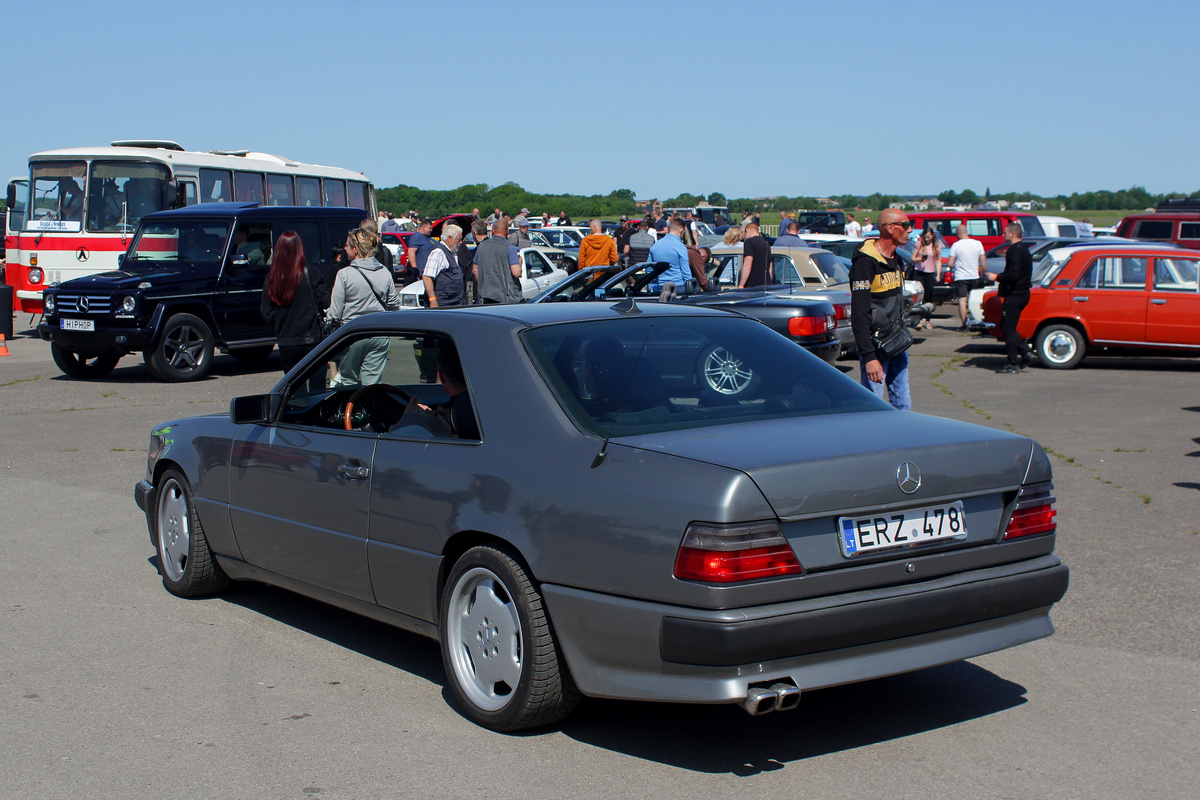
(562, 238)
(193, 241)
(1049, 267)
(120, 193)
(831, 267)
(57, 197)
(624, 377)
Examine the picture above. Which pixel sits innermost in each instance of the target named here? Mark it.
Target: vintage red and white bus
(80, 205)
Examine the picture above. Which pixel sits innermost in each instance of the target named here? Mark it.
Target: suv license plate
(908, 528)
(77, 324)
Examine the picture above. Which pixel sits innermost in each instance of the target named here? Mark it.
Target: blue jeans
(894, 386)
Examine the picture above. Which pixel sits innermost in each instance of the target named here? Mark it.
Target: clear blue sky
(745, 98)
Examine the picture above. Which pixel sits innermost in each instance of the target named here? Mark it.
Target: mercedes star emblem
(84, 303)
(909, 477)
(82, 254)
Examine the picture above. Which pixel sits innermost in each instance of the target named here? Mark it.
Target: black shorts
(963, 288)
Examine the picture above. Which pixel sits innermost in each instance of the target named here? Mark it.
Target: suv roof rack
(1180, 204)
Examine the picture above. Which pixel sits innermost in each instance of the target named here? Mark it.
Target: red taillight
(808, 326)
(727, 555)
(1034, 512)
(841, 311)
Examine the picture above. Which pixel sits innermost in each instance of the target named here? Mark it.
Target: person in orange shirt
(596, 249)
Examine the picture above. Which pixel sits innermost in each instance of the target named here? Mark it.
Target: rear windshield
(831, 268)
(624, 377)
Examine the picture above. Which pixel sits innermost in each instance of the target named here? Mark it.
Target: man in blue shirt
(671, 249)
(790, 239)
(419, 247)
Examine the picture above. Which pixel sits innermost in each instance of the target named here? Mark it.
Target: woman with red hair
(293, 300)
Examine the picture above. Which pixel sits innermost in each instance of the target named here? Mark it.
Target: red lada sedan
(1115, 296)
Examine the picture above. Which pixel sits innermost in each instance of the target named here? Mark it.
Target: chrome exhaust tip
(760, 701)
(789, 696)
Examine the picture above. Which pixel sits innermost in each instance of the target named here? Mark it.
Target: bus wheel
(78, 365)
(184, 351)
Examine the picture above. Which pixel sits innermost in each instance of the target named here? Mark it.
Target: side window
(727, 272)
(310, 234)
(360, 377)
(983, 227)
(279, 190)
(1176, 274)
(215, 186)
(1067, 230)
(248, 187)
(785, 270)
(255, 241)
(308, 192)
(190, 196)
(539, 239)
(1031, 226)
(356, 194)
(1154, 229)
(536, 265)
(947, 227)
(1189, 230)
(335, 192)
(1114, 273)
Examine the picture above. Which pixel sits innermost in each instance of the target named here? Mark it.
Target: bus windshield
(57, 198)
(120, 193)
(192, 241)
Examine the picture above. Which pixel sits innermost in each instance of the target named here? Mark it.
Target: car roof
(984, 213)
(255, 210)
(1167, 250)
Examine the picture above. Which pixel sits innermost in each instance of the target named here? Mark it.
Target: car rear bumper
(826, 351)
(629, 649)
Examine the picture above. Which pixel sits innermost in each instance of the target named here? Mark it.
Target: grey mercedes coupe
(556, 494)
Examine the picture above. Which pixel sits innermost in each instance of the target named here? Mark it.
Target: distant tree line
(509, 197)
(512, 198)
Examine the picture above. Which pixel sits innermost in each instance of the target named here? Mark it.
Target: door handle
(1080, 299)
(354, 472)
(1158, 301)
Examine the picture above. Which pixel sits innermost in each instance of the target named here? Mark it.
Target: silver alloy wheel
(184, 348)
(725, 373)
(173, 529)
(1060, 347)
(486, 648)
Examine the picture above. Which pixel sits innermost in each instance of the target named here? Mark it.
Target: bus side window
(215, 186)
(335, 192)
(308, 191)
(248, 187)
(189, 195)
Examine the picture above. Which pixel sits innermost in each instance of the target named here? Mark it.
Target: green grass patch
(15, 381)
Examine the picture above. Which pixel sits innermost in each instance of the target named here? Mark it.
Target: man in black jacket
(877, 304)
(1013, 287)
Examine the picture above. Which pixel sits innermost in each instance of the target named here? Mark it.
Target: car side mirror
(120, 260)
(170, 194)
(239, 260)
(10, 200)
(255, 408)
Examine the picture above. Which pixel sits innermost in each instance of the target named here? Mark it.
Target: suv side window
(1189, 230)
(253, 240)
(310, 234)
(1154, 229)
(983, 227)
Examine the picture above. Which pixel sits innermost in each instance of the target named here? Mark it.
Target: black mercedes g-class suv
(190, 282)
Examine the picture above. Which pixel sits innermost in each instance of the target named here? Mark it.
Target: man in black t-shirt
(756, 259)
(1014, 284)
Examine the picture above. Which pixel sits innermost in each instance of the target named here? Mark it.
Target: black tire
(78, 365)
(726, 374)
(252, 355)
(186, 564)
(1060, 346)
(184, 350)
(498, 646)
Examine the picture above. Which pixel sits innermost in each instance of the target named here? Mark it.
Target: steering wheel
(348, 412)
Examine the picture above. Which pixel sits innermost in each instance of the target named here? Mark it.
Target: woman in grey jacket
(361, 288)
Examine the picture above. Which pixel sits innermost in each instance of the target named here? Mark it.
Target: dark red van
(1175, 221)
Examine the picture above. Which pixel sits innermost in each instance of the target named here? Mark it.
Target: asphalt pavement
(110, 687)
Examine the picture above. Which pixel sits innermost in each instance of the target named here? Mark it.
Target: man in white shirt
(853, 229)
(867, 226)
(966, 256)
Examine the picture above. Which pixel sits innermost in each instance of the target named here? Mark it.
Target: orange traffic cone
(3, 347)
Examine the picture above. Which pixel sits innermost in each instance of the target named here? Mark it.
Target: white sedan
(538, 273)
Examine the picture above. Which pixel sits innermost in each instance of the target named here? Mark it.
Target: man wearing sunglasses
(877, 304)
